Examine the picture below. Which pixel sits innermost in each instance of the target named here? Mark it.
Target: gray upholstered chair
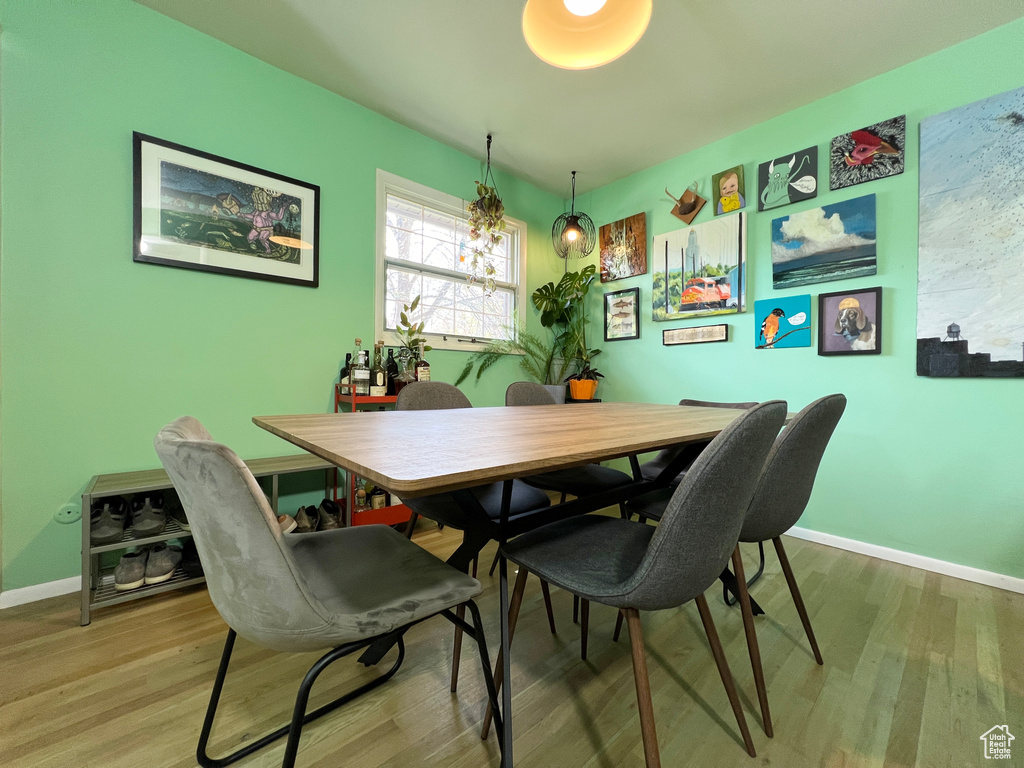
(438, 395)
(635, 567)
(339, 590)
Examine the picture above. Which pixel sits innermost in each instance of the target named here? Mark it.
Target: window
(423, 250)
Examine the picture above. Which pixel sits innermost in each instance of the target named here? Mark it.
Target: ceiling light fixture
(583, 34)
(573, 234)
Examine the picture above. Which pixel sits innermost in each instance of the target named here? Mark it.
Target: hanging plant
(486, 224)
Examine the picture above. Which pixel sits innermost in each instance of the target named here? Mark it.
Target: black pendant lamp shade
(573, 234)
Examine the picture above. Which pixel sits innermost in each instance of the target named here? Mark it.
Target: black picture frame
(697, 334)
(616, 327)
(847, 334)
(196, 210)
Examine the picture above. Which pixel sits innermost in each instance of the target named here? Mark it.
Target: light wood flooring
(917, 667)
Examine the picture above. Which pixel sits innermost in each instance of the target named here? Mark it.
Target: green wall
(99, 352)
(928, 466)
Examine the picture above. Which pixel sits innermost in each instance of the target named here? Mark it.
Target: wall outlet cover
(69, 513)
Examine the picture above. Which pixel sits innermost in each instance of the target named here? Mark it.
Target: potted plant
(583, 383)
(409, 334)
(539, 362)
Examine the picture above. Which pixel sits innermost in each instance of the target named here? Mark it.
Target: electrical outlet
(68, 514)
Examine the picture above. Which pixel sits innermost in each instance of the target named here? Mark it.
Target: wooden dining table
(420, 453)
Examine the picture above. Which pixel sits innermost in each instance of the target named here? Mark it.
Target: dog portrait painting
(851, 322)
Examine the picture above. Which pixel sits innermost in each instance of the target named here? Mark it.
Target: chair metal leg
(584, 627)
(457, 649)
(730, 601)
(723, 671)
(515, 603)
(485, 661)
(618, 627)
(652, 757)
(752, 647)
(622, 511)
(476, 563)
(797, 599)
(299, 715)
(546, 592)
(575, 609)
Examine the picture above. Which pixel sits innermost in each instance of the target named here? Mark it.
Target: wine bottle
(360, 371)
(422, 367)
(378, 377)
(343, 378)
(391, 368)
(378, 498)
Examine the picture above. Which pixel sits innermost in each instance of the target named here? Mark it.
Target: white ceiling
(457, 69)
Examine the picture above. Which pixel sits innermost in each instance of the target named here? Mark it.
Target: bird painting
(770, 326)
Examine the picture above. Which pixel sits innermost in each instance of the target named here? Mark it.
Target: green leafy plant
(409, 332)
(486, 225)
(538, 362)
(562, 308)
(586, 373)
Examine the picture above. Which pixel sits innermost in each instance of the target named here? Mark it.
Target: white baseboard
(12, 597)
(965, 572)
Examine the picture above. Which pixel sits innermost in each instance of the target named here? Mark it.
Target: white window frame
(450, 204)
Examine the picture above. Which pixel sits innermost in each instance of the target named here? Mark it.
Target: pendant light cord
(572, 206)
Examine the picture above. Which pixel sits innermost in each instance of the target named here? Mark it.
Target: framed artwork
(700, 334)
(689, 205)
(970, 319)
(199, 211)
(870, 153)
(700, 270)
(850, 322)
(833, 242)
(782, 322)
(787, 179)
(729, 190)
(623, 248)
(622, 315)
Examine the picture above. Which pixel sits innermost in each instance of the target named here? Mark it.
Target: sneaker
(130, 572)
(107, 519)
(286, 523)
(190, 559)
(172, 505)
(330, 515)
(148, 517)
(161, 564)
(307, 519)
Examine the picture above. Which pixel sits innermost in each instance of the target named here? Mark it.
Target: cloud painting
(833, 242)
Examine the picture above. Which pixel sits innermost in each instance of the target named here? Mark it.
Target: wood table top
(417, 453)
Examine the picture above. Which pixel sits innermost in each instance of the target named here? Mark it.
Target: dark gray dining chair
(340, 589)
(439, 395)
(636, 567)
(781, 496)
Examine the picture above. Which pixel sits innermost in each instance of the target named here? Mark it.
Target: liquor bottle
(343, 378)
(378, 499)
(391, 368)
(360, 371)
(378, 376)
(422, 367)
(361, 505)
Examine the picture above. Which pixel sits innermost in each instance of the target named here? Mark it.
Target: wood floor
(917, 667)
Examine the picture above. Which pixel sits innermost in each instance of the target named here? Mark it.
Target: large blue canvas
(782, 322)
(970, 317)
(819, 245)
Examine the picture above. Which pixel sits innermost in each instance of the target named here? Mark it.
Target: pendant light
(583, 34)
(573, 234)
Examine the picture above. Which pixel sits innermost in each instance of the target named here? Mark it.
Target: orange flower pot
(582, 389)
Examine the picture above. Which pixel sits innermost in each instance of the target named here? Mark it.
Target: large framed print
(195, 210)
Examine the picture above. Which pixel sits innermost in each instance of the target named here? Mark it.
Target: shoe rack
(394, 514)
(98, 583)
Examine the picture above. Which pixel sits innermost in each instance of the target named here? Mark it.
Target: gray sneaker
(329, 514)
(148, 517)
(307, 519)
(130, 572)
(106, 522)
(161, 564)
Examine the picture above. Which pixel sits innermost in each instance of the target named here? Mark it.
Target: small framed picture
(850, 322)
(622, 315)
(195, 210)
(698, 334)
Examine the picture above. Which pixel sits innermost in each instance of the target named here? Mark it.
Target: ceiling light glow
(583, 34)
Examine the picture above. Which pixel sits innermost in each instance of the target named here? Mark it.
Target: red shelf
(393, 515)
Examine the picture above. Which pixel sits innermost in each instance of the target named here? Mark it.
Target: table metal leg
(506, 641)
(726, 588)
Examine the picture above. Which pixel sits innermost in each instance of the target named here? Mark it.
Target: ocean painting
(832, 242)
(970, 317)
